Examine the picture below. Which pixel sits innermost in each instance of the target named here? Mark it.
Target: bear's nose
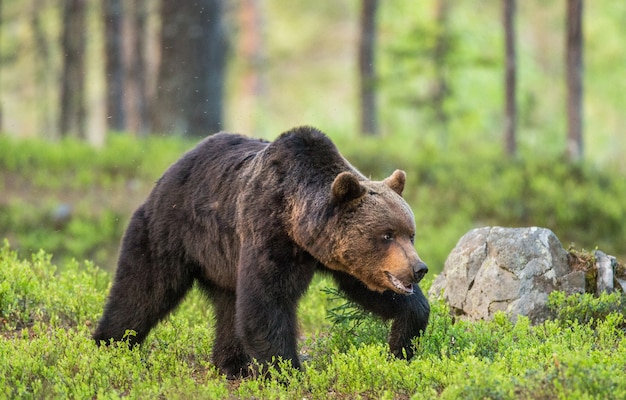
(419, 270)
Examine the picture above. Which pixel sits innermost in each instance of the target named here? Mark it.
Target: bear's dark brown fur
(250, 222)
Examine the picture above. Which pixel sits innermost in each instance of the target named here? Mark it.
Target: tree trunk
(252, 49)
(510, 80)
(574, 66)
(114, 65)
(441, 88)
(73, 112)
(46, 81)
(138, 68)
(367, 70)
(193, 61)
(1, 108)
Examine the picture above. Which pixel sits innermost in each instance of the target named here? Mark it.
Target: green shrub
(31, 291)
(83, 234)
(46, 349)
(352, 326)
(75, 164)
(451, 189)
(586, 308)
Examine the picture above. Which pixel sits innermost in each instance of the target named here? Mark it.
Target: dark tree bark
(367, 68)
(114, 65)
(574, 67)
(73, 112)
(126, 66)
(510, 80)
(252, 49)
(192, 71)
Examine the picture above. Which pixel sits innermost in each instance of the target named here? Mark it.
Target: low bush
(32, 292)
(71, 163)
(451, 189)
(586, 308)
(47, 314)
(79, 233)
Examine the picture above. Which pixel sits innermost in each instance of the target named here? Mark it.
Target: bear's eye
(413, 239)
(388, 236)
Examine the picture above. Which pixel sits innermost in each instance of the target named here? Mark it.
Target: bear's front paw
(403, 352)
(400, 343)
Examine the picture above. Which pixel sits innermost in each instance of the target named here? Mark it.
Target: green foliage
(457, 180)
(72, 164)
(451, 191)
(472, 184)
(46, 350)
(38, 178)
(413, 59)
(32, 292)
(352, 326)
(435, 65)
(83, 234)
(586, 308)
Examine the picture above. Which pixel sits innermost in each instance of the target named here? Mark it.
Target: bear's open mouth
(401, 287)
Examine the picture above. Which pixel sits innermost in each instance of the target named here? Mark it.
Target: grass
(46, 350)
(74, 200)
(49, 306)
(71, 164)
(49, 303)
(451, 190)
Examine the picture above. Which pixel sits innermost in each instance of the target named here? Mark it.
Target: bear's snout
(419, 270)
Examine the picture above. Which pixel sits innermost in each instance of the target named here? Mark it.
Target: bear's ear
(396, 181)
(346, 187)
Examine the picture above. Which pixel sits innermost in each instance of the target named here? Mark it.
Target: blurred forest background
(502, 112)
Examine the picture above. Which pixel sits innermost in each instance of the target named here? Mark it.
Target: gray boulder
(506, 269)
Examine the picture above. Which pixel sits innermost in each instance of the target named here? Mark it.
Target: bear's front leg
(268, 291)
(409, 322)
(409, 313)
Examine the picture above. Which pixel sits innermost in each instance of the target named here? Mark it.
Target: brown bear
(251, 222)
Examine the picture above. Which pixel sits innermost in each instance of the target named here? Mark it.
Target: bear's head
(374, 233)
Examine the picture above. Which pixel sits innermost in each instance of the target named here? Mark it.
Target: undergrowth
(451, 190)
(47, 315)
(70, 163)
(66, 232)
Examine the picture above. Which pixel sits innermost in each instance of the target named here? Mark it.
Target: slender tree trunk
(252, 49)
(574, 66)
(170, 79)
(367, 68)
(46, 124)
(138, 68)
(190, 86)
(510, 80)
(73, 112)
(114, 65)
(441, 89)
(1, 119)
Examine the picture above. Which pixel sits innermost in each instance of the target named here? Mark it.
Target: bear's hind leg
(144, 289)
